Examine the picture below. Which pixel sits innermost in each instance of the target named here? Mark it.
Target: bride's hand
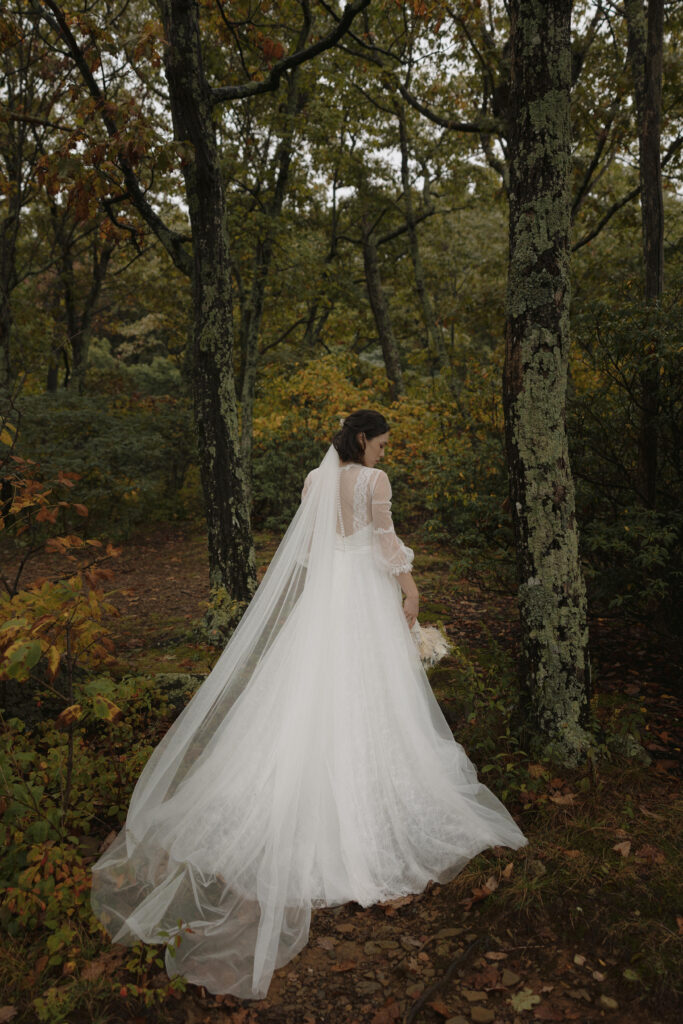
(411, 606)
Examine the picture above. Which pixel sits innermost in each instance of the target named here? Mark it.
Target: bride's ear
(360, 438)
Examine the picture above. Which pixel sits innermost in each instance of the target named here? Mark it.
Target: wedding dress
(312, 767)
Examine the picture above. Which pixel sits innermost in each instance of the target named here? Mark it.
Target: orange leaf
(440, 1007)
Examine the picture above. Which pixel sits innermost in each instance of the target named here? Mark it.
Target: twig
(429, 993)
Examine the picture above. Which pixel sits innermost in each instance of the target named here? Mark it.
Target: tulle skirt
(334, 777)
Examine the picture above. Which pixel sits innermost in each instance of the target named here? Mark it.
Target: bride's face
(374, 449)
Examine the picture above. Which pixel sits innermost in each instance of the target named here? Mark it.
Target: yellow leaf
(69, 715)
(53, 657)
(106, 709)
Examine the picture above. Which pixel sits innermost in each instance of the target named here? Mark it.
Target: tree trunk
(78, 314)
(645, 48)
(252, 315)
(551, 593)
(380, 311)
(5, 336)
(231, 553)
(9, 233)
(434, 335)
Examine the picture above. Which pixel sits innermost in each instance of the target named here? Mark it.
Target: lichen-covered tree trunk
(380, 311)
(645, 52)
(231, 553)
(551, 593)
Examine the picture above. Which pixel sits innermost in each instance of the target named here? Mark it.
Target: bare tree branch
(485, 124)
(300, 56)
(620, 203)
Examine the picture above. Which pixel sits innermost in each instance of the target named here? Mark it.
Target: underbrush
(57, 963)
(603, 865)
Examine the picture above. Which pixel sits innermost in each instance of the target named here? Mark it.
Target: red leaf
(440, 1007)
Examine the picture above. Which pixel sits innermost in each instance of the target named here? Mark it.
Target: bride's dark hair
(363, 421)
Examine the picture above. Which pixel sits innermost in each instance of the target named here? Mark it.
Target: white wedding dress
(313, 767)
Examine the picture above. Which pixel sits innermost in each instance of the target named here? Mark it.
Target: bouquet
(431, 642)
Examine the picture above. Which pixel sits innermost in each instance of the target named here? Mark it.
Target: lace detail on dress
(364, 500)
(360, 501)
(391, 553)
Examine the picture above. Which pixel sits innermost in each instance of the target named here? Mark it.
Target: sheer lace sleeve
(391, 553)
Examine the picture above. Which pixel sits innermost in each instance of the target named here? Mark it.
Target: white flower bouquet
(431, 642)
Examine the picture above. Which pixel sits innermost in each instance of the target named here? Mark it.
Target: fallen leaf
(471, 996)
(507, 871)
(623, 848)
(546, 1011)
(106, 963)
(536, 771)
(440, 1007)
(651, 854)
(390, 906)
(481, 893)
(524, 1000)
(563, 799)
(482, 1015)
(327, 942)
(387, 1014)
(486, 979)
(579, 993)
(495, 955)
(579, 960)
(572, 854)
(7, 1012)
(345, 965)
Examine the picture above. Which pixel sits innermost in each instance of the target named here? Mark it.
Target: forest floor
(581, 925)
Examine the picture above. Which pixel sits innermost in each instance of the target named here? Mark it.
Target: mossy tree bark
(551, 591)
(231, 552)
(645, 54)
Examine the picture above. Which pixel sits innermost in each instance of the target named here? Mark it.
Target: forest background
(162, 365)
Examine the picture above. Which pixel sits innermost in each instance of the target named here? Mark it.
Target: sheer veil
(159, 881)
(312, 767)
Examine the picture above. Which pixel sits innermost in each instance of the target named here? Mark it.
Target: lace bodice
(364, 504)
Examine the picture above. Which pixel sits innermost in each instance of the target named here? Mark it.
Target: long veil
(162, 880)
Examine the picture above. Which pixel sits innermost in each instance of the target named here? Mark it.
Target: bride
(313, 766)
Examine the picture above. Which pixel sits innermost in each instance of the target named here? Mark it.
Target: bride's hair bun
(363, 421)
